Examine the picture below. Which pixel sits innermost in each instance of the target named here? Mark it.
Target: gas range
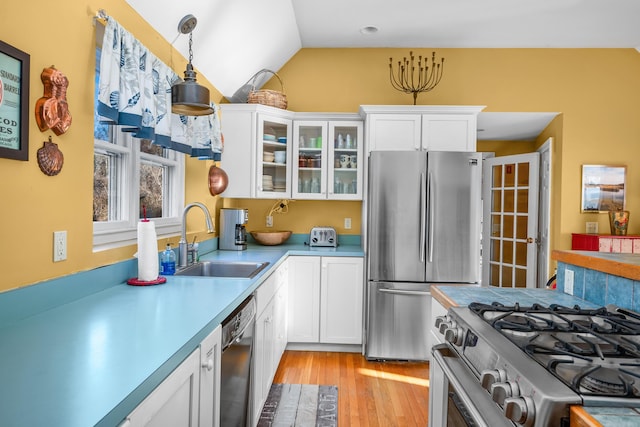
(534, 362)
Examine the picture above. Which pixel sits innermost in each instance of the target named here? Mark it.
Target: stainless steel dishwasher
(237, 351)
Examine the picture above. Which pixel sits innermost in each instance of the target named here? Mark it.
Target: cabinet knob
(208, 365)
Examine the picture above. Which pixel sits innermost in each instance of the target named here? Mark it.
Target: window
(132, 177)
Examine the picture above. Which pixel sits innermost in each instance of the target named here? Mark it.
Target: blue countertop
(462, 295)
(93, 360)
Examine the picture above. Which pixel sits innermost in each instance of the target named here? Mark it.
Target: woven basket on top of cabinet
(268, 97)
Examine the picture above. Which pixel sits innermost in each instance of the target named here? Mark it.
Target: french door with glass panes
(510, 221)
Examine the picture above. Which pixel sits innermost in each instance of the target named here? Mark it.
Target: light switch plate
(59, 246)
(568, 281)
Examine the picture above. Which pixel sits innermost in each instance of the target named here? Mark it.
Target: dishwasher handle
(237, 336)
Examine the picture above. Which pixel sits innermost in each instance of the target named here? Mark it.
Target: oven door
(451, 385)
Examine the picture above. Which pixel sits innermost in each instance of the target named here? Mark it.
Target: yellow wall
(596, 90)
(35, 205)
(302, 215)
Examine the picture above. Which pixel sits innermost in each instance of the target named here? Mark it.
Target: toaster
(323, 237)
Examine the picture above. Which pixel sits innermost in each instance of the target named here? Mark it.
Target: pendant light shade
(188, 98)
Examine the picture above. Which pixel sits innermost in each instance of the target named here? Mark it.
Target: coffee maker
(233, 236)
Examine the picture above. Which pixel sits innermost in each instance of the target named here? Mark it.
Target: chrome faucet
(183, 245)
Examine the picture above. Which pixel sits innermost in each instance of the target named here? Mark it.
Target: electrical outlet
(59, 246)
(568, 281)
(269, 221)
(347, 223)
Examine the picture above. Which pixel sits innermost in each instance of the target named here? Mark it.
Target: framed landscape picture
(603, 188)
(14, 103)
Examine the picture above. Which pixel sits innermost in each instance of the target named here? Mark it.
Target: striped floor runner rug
(300, 405)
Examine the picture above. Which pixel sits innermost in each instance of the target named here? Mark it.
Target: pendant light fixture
(188, 97)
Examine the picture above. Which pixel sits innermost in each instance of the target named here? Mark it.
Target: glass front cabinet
(327, 158)
(273, 155)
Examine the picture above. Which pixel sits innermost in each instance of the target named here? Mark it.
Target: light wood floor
(369, 393)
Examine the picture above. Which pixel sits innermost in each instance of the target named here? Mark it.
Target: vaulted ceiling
(235, 38)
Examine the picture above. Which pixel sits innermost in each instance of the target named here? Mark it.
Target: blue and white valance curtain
(135, 92)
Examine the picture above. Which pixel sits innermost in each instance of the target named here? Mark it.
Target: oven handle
(404, 292)
(482, 409)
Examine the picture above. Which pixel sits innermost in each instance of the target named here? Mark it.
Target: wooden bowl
(270, 238)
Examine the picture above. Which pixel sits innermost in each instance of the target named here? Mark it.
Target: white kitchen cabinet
(341, 294)
(250, 131)
(325, 299)
(175, 402)
(431, 128)
(270, 336)
(280, 313)
(304, 299)
(390, 132)
(327, 156)
(309, 159)
(210, 363)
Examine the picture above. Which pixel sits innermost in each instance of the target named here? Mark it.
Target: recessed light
(368, 30)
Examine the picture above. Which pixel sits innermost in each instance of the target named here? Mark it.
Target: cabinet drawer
(265, 293)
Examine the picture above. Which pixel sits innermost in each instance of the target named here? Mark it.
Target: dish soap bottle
(168, 261)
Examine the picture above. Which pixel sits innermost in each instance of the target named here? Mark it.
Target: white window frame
(114, 234)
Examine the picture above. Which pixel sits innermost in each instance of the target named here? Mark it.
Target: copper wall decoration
(50, 158)
(52, 110)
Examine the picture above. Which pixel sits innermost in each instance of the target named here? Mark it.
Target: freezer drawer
(397, 321)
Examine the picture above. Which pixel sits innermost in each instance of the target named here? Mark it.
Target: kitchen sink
(233, 269)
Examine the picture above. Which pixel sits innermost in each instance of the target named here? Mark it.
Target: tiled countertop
(461, 295)
(90, 361)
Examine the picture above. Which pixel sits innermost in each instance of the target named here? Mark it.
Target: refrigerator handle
(431, 219)
(423, 211)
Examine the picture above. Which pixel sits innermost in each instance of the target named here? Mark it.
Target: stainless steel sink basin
(233, 269)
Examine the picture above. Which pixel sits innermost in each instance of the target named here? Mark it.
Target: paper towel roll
(147, 251)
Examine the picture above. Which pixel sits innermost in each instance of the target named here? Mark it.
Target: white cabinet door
(345, 161)
(210, 353)
(387, 132)
(263, 359)
(342, 289)
(449, 132)
(280, 310)
(174, 403)
(309, 162)
(273, 177)
(239, 125)
(304, 299)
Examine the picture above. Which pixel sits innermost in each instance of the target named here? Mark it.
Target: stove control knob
(453, 335)
(446, 324)
(490, 376)
(501, 391)
(439, 321)
(520, 410)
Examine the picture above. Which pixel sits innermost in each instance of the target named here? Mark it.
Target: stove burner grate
(593, 351)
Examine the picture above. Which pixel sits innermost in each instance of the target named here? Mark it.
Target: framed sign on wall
(14, 103)
(603, 188)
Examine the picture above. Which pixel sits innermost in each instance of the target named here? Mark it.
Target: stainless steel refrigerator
(423, 228)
